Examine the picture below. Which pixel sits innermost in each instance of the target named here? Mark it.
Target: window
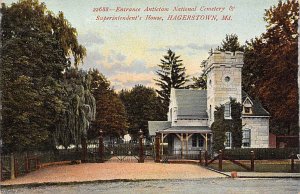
(246, 138)
(247, 106)
(228, 140)
(210, 114)
(227, 111)
(247, 110)
(227, 79)
(197, 140)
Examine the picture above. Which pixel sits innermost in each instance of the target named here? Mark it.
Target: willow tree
(37, 47)
(80, 109)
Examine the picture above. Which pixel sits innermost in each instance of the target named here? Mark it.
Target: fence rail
(179, 154)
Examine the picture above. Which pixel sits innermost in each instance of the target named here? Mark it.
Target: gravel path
(112, 171)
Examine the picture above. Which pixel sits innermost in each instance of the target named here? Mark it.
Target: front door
(171, 143)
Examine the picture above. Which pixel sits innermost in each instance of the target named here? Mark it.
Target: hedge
(260, 153)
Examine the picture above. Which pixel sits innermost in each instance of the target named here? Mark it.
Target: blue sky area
(127, 52)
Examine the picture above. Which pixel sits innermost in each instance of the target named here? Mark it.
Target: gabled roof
(155, 126)
(187, 129)
(191, 104)
(257, 108)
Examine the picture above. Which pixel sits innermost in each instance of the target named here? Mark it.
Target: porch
(184, 142)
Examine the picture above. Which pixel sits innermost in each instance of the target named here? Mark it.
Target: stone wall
(224, 78)
(259, 127)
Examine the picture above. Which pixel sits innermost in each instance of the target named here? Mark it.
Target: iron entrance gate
(126, 151)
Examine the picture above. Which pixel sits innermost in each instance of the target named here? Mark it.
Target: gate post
(200, 155)
(101, 146)
(84, 149)
(206, 157)
(12, 166)
(26, 163)
(252, 160)
(157, 148)
(292, 163)
(1, 166)
(141, 147)
(220, 159)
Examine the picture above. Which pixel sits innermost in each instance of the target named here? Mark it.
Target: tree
(110, 112)
(231, 43)
(199, 83)
(80, 109)
(221, 125)
(270, 70)
(171, 75)
(142, 105)
(37, 47)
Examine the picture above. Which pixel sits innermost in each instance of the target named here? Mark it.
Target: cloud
(122, 80)
(115, 56)
(190, 46)
(90, 38)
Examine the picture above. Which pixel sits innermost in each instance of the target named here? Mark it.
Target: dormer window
(247, 106)
(247, 110)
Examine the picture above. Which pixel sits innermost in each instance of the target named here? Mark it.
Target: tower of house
(224, 80)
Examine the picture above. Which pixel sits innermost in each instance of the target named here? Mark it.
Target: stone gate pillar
(141, 147)
(157, 148)
(101, 146)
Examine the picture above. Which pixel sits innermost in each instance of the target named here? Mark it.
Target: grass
(260, 166)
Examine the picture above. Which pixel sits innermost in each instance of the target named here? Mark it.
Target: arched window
(246, 138)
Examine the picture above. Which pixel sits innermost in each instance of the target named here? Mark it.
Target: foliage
(171, 75)
(199, 82)
(270, 70)
(34, 56)
(110, 112)
(80, 111)
(221, 125)
(261, 153)
(142, 105)
(231, 43)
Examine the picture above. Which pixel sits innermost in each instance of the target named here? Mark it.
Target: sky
(128, 52)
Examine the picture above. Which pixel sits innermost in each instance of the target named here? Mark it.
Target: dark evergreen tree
(171, 74)
(199, 82)
(231, 43)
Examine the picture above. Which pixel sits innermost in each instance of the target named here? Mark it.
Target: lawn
(260, 166)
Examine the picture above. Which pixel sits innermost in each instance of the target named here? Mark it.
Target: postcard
(139, 96)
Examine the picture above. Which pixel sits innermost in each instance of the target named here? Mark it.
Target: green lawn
(259, 166)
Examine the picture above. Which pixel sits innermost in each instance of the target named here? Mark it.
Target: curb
(256, 177)
(32, 185)
(270, 177)
(214, 170)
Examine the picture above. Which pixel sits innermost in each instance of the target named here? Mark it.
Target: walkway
(113, 171)
(265, 175)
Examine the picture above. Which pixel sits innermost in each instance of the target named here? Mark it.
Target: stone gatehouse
(191, 112)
